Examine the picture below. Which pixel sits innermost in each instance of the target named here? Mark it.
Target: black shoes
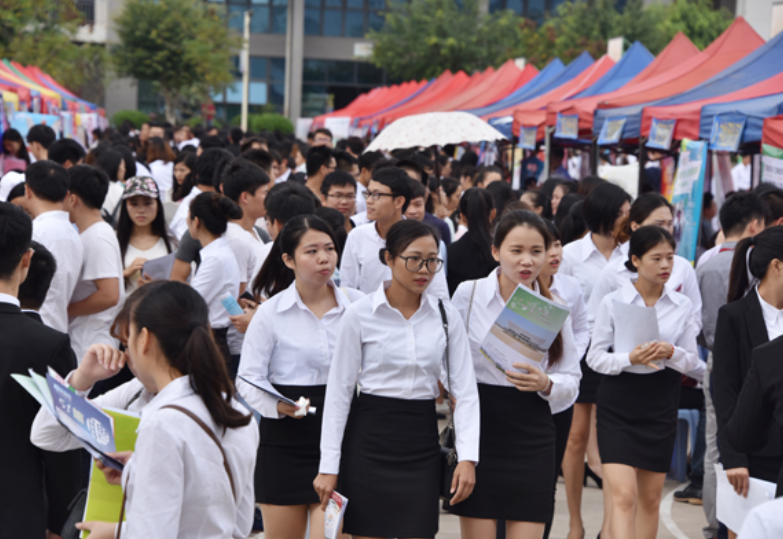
(589, 473)
(690, 494)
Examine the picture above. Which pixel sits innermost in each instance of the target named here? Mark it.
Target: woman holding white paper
(290, 344)
(380, 448)
(516, 479)
(637, 401)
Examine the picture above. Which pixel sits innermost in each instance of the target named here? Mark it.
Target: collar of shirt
(290, 297)
(55, 214)
(492, 290)
(214, 246)
(631, 295)
(379, 298)
(7, 298)
(772, 315)
(589, 249)
(176, 390)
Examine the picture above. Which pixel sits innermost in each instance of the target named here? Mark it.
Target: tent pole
(547, 151)
(594, 156)
(642, 162)
(514, 142)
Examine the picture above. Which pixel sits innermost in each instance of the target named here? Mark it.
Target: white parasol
(434, 128)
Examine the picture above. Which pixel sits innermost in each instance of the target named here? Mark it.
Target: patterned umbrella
(434, 128)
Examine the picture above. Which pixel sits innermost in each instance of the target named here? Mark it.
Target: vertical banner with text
(687, 196)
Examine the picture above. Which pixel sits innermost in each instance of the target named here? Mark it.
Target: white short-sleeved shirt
(179, 223)
(217, 276)
(676, 326)
(163, 174)
(764, 522)
(53, 230)
(361, 202)
(389, 356)
(246, 246)
(361, 265)
(583, 260)
(274, 349)
(102, 260)
(113, 198)
(132, 253)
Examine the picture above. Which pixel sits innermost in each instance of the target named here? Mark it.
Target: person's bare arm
(107, 296)
(180, 271)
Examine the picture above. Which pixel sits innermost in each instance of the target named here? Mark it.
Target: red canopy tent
(494, 86)
(772, 132)
(374, 100)
(679, 50)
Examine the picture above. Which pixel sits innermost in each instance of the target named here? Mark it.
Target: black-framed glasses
(415, 263)
(376, 195)
(339, 196)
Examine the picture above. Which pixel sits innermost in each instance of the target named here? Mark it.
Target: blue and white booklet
(93, 427)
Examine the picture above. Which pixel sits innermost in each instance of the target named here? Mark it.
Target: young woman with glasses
(381, 448)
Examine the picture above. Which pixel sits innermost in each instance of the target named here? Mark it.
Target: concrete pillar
(294, 56)
(483, 6)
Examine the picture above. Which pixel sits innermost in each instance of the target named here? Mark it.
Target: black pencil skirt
(637, 419)
(515, 477)
(289, 452)
(589, 384)
(390, 468)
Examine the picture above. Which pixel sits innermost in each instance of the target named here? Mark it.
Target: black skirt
(637, 419)
(515, 477)
(589, 384)
(390, 468)
(289, 452)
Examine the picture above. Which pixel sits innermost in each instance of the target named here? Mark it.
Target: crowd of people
(368, 283)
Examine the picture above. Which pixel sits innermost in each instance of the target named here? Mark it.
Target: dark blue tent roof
(633, 62)
(754, 110)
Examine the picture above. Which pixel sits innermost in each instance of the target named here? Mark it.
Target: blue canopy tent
(633, 62)
(754, 110)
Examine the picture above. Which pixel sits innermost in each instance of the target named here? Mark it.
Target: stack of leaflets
(92, 427)
(333, 517)
(267, 387)
(635, 325)
(524, 331)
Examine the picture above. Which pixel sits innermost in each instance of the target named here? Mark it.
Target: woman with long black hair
(516, 479)
(13, 154)
(303, 301)
(184, 175)
(470, 257)
(639, 395)
(381, 445)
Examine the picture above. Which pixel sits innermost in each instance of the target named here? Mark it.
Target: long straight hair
(476, 205)
(753, 256)
(125, 228)
(641, 209)
(530, 219)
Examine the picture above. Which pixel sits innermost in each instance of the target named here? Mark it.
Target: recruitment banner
(727, 132)
(687, 196)
(567, 126)
(661, 134)
(772, 165)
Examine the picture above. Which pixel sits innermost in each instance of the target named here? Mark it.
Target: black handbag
(448, 437)
(75, 516)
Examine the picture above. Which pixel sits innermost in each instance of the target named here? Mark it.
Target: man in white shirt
(320, 162)
(46, 187)
(338, 191)
(323, 137)
(66, 152)
(366, 164)
(101, 289)
(388, 196)
(40, 137)
(740, 175)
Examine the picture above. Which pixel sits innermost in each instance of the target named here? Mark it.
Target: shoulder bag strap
(445, 321)
(470, 306)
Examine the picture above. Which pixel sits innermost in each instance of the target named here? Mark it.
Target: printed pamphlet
(524, 331)
(333, 518)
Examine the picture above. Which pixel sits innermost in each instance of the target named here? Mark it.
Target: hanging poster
(23, 121)
(339, 126)
(772, 165)
(527, 138)
(727, 132)
(567, 126)
(612, 131)
(661, 134)
(688, 195)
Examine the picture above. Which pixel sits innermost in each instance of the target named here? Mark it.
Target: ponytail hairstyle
(214, 211)
(640, 211)
(402, 234)
(573, 227)
(178, 317)
(275, 276)
(530, 219)
(752, 257)
(644, 239)
(476, 206)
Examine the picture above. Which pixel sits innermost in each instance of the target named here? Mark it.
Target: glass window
(280, 3)
(333, 22)
(277, 94)
(368, 73)
(356, 4)
(314, 100)
(377, 4)
(260, 2)
(496, 5)
(257, 67)
(236, 17)
(374, 21)
(312, 22)
(233, 111)
(516, 6)
(553, 6)
(279, 20)
(259, 21)
(535, 10)
(257, 93)
(341, 71)
(333, 3)
(313, 3)
(278, 68)
(354, 23)
(218, 1)
(234, 93)
(314, 70)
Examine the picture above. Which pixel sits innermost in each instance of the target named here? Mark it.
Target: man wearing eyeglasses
(320, 162)
(338, 191)
(388, 195)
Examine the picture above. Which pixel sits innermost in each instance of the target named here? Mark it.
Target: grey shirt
(713, 278)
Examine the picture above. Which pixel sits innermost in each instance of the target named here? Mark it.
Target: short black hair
(345, 161)
(242, 176)
(602, 207)
(324, 131)
(338, 178)
(89, 184)
(15, 192)
(410, 165)
(42, 134)
(395, 179)
(418, 190)
(248, 143)
(317, 157)
(208, 162)
(236, 134)
(262, 158)
(211, 142)
(286, 200)
(47, 180)
(32, 292)
(368, 160)
(773, 199)
(355, 144)
(739, 210)
(707, 200)
(66, 149)
(16, 234)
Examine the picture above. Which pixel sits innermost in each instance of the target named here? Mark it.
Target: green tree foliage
(268, 121)
(421, 39)
(135, 117)
(183, 46)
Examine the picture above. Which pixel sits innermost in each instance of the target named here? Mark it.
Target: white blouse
(682, 280)
(569, 290)
(773, 317)
(175, 482)
(487, 306)
(583, 260)
(217, 275)
(676, 326)
(390, 356)
(132, 253)
(288, 345)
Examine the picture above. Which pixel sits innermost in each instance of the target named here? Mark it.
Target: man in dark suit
(26, 344)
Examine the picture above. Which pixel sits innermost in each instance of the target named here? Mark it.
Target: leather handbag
(76, 515)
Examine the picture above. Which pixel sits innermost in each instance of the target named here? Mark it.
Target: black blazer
(27, 344)
(760, 403)
(465, 264)
(739, 330)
